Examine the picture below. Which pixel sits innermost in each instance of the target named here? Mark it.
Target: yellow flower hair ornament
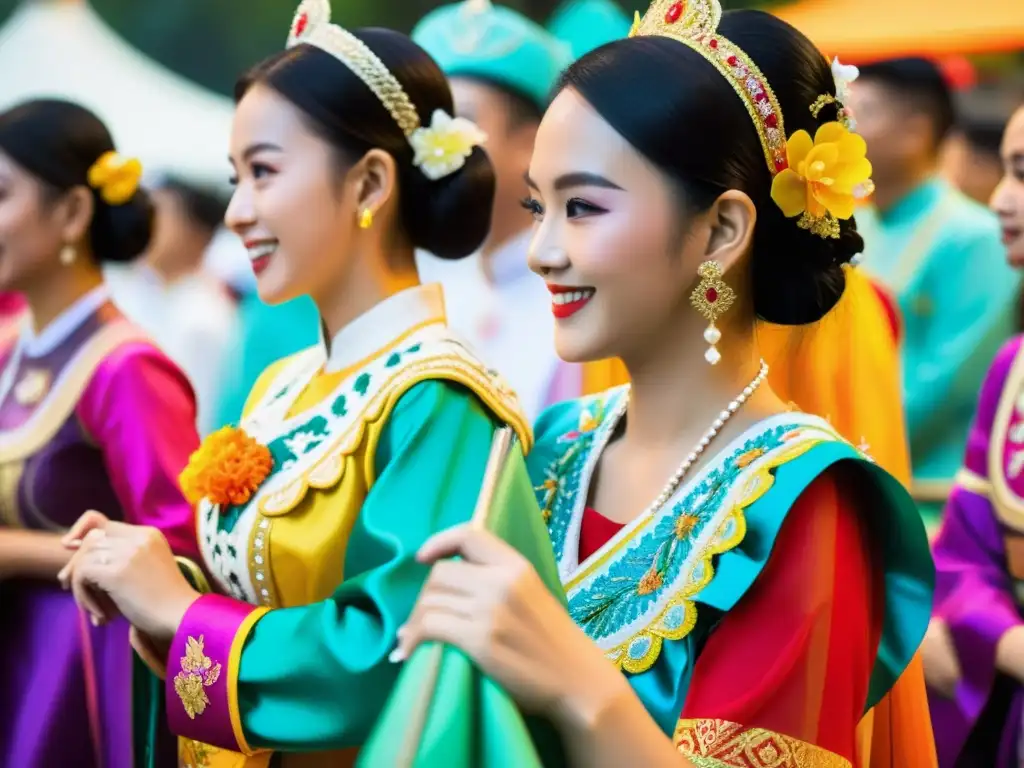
(116, 178)
(228, 468)
(825, 178)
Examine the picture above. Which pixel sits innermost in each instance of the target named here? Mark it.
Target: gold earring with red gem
(712, 297)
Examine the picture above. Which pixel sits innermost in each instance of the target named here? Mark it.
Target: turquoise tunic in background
(941, 255)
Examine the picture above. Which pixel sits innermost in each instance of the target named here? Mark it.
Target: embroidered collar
(641, 587)
(375, 329)
(66, 323)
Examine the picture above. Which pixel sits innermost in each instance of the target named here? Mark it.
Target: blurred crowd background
(161, 76)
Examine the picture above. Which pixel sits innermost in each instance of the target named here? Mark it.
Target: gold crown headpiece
(440, 148)
(820, 179)
(694, 23)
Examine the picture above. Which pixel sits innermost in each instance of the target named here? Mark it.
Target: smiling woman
(741, 581)
(92, 414)
(346, 159)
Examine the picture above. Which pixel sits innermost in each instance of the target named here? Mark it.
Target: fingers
(474, 545)
(86, 587)
(88, 567)
(442, 622)
(91, 520)
(92, 539)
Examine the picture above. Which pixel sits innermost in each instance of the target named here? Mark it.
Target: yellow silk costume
(374, 449)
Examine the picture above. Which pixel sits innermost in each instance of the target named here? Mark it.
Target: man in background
(970, 159)
(939, 253)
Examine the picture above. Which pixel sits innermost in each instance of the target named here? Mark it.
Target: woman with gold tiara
(92, 414)
(346, 159)
(779, 582)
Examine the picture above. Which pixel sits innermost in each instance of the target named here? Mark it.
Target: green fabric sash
(445, 712)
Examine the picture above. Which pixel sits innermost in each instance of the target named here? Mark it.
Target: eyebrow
(252, 149)
(576, 179)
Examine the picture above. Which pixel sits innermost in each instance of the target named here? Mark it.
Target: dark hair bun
(58, 142)
(120, 233)
(700, 135)
(449, 217)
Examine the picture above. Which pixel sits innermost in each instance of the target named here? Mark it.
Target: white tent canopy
(56, 48)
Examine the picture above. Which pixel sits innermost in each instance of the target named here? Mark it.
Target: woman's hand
(493, 606)
(133, 568)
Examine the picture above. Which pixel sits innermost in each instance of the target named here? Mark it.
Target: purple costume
(980, 577)
(96, 418)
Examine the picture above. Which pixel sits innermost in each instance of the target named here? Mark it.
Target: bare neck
(367, 283)
(62, 288)
(677, 395)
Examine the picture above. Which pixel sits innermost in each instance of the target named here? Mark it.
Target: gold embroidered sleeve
(721, 744)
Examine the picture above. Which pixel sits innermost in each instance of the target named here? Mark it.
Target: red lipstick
(567, 300)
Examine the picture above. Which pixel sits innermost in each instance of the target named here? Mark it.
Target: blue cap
(478, 39)
(588, 24)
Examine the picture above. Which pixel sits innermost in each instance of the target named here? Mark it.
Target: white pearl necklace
(705, 441)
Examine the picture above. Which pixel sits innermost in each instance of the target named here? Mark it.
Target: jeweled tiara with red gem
(442, 147)
(694, 23)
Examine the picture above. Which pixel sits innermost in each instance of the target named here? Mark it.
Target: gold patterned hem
(721, 744)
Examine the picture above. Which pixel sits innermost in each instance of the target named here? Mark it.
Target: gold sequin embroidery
(721, 744)
(198, 672)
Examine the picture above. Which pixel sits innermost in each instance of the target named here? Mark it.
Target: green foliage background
(212, 41)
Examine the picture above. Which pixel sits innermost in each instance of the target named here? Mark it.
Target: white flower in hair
(442, 147)
(843, 74)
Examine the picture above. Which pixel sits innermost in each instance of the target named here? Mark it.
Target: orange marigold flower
(227, 469)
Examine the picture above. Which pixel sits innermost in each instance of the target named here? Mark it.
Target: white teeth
(262, 250)
(568, 297)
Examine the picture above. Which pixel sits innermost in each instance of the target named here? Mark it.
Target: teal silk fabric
(575, 430)
(467, 720)
(316, 677)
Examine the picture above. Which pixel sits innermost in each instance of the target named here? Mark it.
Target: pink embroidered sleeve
(140, 410)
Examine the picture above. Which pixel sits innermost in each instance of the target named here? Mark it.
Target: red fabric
(595, 531)
(795, 655)
(892, 311)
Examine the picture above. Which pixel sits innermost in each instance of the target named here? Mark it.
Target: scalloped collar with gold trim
(639, 588)
(309, 448)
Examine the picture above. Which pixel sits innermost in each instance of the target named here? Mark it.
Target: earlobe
(732, 217)
(377, 180)
(76, 212)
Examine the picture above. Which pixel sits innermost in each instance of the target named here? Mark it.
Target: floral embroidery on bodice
(640, 588)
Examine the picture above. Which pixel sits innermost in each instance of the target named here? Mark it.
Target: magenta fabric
(139, 406)
(214, 621)
(65, 686)
(974, 594)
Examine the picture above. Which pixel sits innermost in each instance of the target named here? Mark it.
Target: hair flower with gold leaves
(825, 178)
(442, 147)
(116, 178)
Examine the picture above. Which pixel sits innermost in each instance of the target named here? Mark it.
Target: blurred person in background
(502, 67)
(940, 254)
(92, 414)
(188, 311)
(974, 650)
(970, 158)
(12, 310)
